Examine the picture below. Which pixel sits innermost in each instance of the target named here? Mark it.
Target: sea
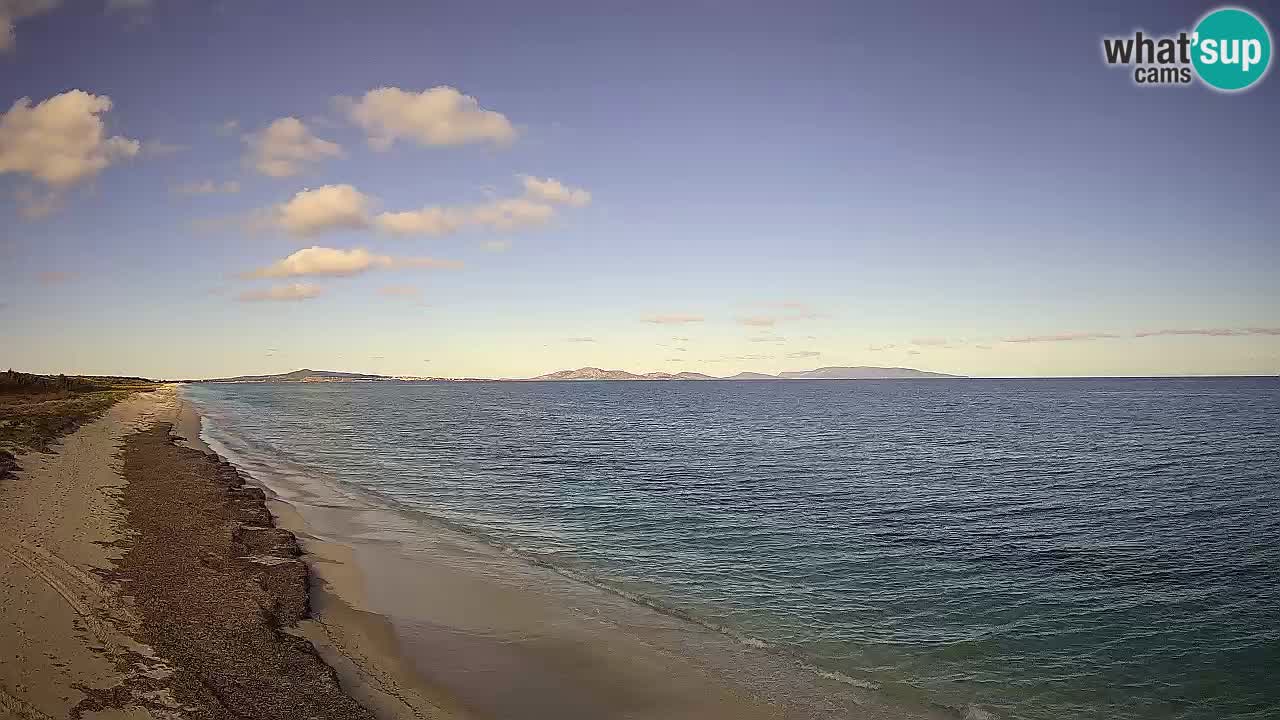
(1042, 549)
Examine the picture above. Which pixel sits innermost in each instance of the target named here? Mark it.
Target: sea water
(1044, 549)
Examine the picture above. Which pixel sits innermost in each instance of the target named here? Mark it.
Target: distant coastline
(597, 374)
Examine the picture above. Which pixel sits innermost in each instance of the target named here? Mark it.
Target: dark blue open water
(1041, 549)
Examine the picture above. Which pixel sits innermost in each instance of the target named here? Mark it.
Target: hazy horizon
(505, 190)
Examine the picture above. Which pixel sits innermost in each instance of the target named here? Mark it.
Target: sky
(503, 189)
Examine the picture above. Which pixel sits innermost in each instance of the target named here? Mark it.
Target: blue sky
(956, 188)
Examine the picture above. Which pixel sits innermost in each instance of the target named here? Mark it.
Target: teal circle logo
(1231, 49)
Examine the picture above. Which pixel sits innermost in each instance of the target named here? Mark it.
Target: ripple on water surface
(1041, 549)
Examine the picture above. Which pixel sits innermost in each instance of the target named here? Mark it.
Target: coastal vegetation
(36, 409)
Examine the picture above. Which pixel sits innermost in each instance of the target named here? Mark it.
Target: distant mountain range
(594, 373)
(825, 373)
(306, 375)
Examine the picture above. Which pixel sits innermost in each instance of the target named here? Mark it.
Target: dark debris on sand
(214, 584)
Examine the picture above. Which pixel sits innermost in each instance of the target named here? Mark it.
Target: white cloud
(758, 321)
(342, 206)
(62, 140)
(293, 291)
(11, 11)
(804, 354)
(208, 187)
(317, 260)
(553, 191)
(502, 214)
(438, 116)
(328, 207)
(286, 147)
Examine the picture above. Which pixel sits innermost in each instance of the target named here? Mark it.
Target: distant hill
(595, 373)
(304, 375)
(862, 372)
(693, 376)
(826, 373)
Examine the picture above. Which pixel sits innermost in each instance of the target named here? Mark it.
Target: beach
(140, 578)
(143, 578)
(451, 551)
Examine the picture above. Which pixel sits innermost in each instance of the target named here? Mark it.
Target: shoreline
(155, 574)
(359, 646)
(499, 635)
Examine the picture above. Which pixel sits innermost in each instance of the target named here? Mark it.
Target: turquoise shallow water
(1034, 548)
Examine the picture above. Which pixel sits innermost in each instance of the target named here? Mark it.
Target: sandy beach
(140, 578)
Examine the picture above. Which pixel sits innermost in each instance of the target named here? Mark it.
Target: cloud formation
(673, 319)
(333, 207)
(328, 207)
(804, 354)
(929, 341)
(286, 147)
(553, 191)
(535, 207)
(11, 11)
(1207, 332)
(438, 116)
(1064, 337)
(317, 260)
(285, 293)
(207, 187)
(502, 214)
(758, 321)
(580, 339)
(62, 140)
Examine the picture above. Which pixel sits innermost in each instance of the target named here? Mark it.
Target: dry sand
(62, 630)
(140, 579)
